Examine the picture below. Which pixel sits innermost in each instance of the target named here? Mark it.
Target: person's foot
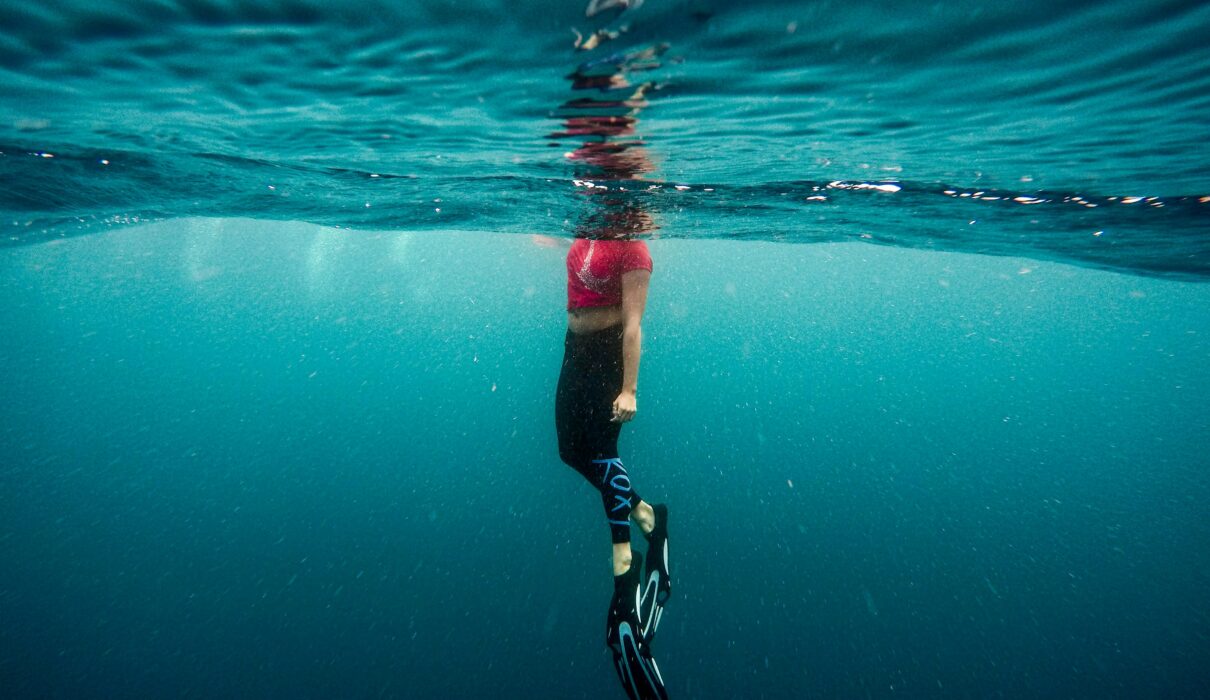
(644, 515)
(657, 516)
(622, 557)
(637, 670)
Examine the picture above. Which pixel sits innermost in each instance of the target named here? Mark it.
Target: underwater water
(924, 366)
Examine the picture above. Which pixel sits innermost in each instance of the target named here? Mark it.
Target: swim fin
(657, 587)
(637, 670)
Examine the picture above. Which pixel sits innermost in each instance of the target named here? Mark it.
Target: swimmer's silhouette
(608, 273)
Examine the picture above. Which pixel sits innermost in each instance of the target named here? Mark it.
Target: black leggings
(588, 441)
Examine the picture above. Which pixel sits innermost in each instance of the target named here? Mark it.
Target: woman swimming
(607, 282)
(608, 273)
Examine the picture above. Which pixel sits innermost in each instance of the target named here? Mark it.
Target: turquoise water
(364, 115)
(923, 379)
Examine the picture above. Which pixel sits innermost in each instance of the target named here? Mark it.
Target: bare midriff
(588, 319)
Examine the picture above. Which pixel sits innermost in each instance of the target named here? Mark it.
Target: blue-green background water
(295, 438)
(272, 459)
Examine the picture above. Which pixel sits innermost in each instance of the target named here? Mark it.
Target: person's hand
(624, 407)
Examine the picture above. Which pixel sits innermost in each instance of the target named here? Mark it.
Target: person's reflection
(608, 274)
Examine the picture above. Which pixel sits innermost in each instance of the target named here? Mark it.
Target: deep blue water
(273, 459)
(923, 380)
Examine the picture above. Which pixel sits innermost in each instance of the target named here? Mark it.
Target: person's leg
(588, 439)
(644, 516)
(618, 497)
(588, 442)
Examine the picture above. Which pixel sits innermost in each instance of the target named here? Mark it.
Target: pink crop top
(595, 269)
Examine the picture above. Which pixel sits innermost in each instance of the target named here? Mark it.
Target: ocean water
(924, 366)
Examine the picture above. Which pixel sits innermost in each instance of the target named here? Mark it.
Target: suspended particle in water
(870, 606)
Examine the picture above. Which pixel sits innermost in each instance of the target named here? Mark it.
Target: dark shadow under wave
(53, 195)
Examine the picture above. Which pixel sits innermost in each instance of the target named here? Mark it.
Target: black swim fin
(637, 670)
(657, 586)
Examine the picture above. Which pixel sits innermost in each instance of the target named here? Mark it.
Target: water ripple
(364, 115)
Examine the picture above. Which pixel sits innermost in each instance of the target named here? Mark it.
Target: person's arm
(634, 302)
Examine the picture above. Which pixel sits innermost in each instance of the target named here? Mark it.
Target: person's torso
(595, 269)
